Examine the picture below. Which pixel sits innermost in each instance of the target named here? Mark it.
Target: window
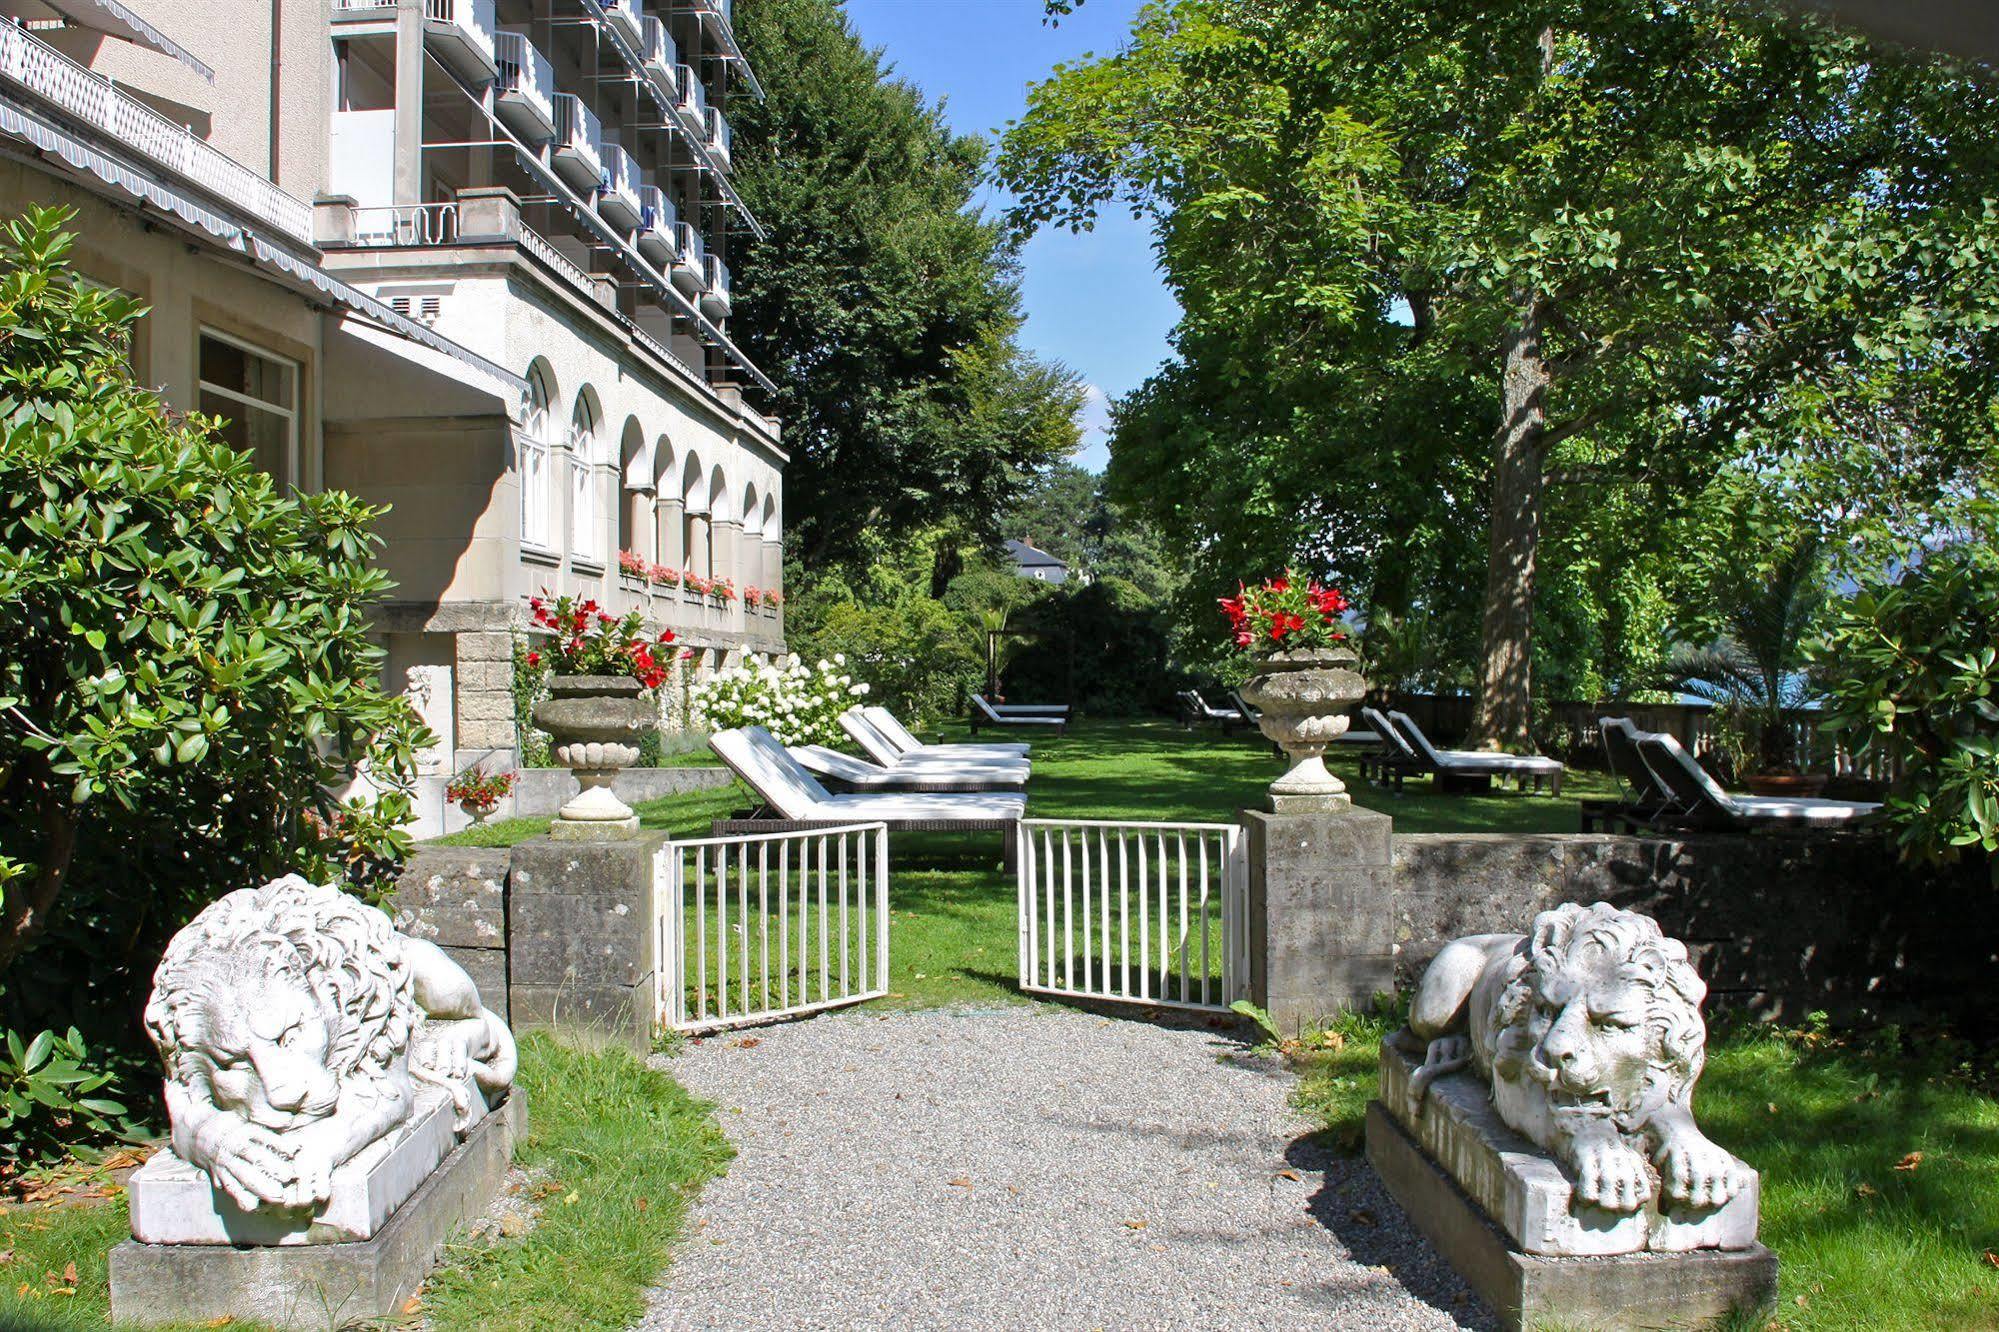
(537, 469)
(585, 517)
(257, 393)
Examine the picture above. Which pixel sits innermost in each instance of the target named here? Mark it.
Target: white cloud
(1094, 418)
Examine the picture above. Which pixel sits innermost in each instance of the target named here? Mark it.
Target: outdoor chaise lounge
(939, 760)
(1025, 709)
(907, 746)
(1648, 802)
(983, 714)
(793, 798)
(1707, 805)
(1393, 759)
(848, 773)
(1199, 710)
(1469, 769)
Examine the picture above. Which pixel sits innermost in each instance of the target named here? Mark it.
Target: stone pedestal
(580, 936)
(1321, 912)
(1629, 1292)
(317, 1286)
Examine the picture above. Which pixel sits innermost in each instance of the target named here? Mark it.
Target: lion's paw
(1696, 1172)
(1446, 1054)
(1612, 1175)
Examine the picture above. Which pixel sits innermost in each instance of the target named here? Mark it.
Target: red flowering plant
(664, 575)
(722, 589)
(631, 562)
(586, 641)
(1286, 614)
(695, 583)
(476, 786)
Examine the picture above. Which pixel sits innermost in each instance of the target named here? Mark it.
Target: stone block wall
(456, 897)
(1778, 925)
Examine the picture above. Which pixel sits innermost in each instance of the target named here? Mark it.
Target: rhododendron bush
(1286, 614)
(796, 703)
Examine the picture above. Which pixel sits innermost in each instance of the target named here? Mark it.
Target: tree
(1435, 260)
(881, 302)
(185, 671)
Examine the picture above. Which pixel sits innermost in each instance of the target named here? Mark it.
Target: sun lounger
(1394, 759)
(1025, 709)
(908, 746)
(1199, 710)
(1647, 802)
(1459, 768)
(1708, 805)
(940, 760)
(984, 715)
(793, 798)
(852, 774)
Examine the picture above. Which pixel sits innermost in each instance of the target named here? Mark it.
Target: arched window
(586, 514)
(534, 450)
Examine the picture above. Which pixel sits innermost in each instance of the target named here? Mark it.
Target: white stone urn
(478, 810)
(595, 723)
(1304, 696)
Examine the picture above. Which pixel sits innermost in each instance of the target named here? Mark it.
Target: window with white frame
(585, 517)
(537, 466)
(256, 392)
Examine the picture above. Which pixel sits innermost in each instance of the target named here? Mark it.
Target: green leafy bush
(186, 676)
(52, 1098)
(1912, 665)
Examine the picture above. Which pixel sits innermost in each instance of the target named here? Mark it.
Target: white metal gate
(763, 926)
(1143, 913)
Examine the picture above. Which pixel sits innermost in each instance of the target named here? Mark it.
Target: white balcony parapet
(658, 221)
(660, 53)
(690, 270)
(721, 138)
(619, 203)
(406, 225)
(691, 100)
(719, 15)
(463, 32)
(524, 96)
(578, 155)
(716, 300)
(628, 17)
(90, 99)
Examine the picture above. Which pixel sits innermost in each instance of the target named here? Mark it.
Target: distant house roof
(1036, 563)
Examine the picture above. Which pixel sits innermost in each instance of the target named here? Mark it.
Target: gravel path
(1031, 1167)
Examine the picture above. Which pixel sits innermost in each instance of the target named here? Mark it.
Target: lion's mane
(336, 946)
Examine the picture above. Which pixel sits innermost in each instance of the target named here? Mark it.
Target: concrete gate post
(1321, 912)
(581, 936)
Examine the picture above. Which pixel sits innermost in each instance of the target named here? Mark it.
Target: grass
(617, 1152)
(41, 1242)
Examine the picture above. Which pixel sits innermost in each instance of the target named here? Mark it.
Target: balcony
(524, 96)
(656, 239)
(578, 155)
(717, 15)
(129, 124)
(660, 54)
(690, 260)
(690, 98)
(721, 138)
(463, 34)
(619, 204)
(628, 17)
(716, 302)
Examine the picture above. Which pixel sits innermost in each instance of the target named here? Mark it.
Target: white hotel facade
(468, 258)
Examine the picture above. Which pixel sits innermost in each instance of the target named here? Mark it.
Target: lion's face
(1591, 1046)
(265, 1052)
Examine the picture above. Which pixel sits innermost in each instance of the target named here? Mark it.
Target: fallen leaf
(412, 1305)
(513, 1225)
(959, 1183)
(69, 1273)
(1134, 1225)
(1801, 1301)
(1909, 1162)
(223, 1321)
(6, 1256)
(747, 1043)
(572, 1200)
(1772, 1107)
(1991, 1258)
(642, 1204)
(1866, 1191)
(1360, 1216)
(1288, 1173)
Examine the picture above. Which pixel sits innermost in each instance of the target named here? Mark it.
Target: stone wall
(456, 897)
(1779, 926)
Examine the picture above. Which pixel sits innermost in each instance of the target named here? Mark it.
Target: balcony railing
(690, 270)
(691, 97)
(463, 32)
(524, 96)
(657, 222)
(406, 224)
(628, 17)
(722, 12)
(660, 53)
(716, 301)
(91, 99)
(721, 137)
(578, 156)
(619, 204)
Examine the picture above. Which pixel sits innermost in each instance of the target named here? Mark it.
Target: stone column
(484, 673)
(728, 538)
(580, 937)
(1321, 912)
(639, 519)
(667, 521)
(773, 565)
(406, 177)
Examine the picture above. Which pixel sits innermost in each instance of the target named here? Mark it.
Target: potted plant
(479, 792)
(1305, 679)
(632, 565)
(1754, 671)
(604, 671)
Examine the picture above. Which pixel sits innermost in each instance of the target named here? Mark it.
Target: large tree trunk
(1503, 716)
(30, 903)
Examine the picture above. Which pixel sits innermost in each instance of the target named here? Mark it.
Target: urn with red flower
(1307, 680)
(599, 706)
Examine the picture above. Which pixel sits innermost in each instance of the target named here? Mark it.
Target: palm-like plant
(1755, 668)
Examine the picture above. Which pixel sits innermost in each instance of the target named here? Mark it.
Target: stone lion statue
(1588, 1033)
(295, 1024)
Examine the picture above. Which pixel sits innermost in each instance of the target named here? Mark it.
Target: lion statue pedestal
(341, 1104)
(1536, 1121)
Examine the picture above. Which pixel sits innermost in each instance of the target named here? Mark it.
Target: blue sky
(1094, 301)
